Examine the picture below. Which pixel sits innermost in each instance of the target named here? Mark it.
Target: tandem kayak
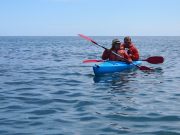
(113, 66)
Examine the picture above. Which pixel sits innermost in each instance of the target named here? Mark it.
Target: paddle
(152, 60)
(155, 59)
(90, 61)
(139, 67)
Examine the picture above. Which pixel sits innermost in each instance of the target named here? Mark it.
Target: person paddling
(131, 49)
(117, 48)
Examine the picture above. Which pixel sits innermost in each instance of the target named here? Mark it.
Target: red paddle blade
(155, 60)
(144, 68)
(87, 38)
(90, 61)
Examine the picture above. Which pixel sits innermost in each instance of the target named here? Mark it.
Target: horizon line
(89, 35)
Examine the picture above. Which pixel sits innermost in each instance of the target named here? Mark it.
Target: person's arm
(135, 54)
(124, 55)
(128, 57)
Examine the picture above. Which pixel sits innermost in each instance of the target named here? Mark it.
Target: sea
(46, 89)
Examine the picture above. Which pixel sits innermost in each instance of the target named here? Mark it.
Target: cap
(116, 41)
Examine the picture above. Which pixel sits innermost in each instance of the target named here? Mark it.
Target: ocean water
(45, 89)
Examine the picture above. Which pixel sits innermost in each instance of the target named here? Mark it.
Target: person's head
(127, 41)
(116, 44)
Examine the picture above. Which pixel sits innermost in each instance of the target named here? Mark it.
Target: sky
(90, 17)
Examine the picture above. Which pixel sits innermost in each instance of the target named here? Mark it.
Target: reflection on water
(125, 76)
(110, 78)
(116, 78)
(130, 80)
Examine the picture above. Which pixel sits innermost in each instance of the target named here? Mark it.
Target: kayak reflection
(122, 77)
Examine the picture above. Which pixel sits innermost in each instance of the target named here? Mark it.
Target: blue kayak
(113, 66)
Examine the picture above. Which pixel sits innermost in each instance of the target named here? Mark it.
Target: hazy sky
(90, 17)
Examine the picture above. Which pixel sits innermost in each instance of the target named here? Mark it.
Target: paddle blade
(155, 60)
(144, 68)
(87, 38)
(90, 61)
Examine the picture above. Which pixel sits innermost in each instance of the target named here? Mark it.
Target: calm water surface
(46, 89)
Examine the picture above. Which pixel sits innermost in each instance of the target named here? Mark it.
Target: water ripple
(46, 89)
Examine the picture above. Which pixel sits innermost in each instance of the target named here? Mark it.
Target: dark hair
(127, 38)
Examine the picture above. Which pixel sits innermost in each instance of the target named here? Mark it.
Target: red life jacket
(125, 55)
(107, 54)
(133, 52)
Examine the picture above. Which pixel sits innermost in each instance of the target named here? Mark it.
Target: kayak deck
(113, 66)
